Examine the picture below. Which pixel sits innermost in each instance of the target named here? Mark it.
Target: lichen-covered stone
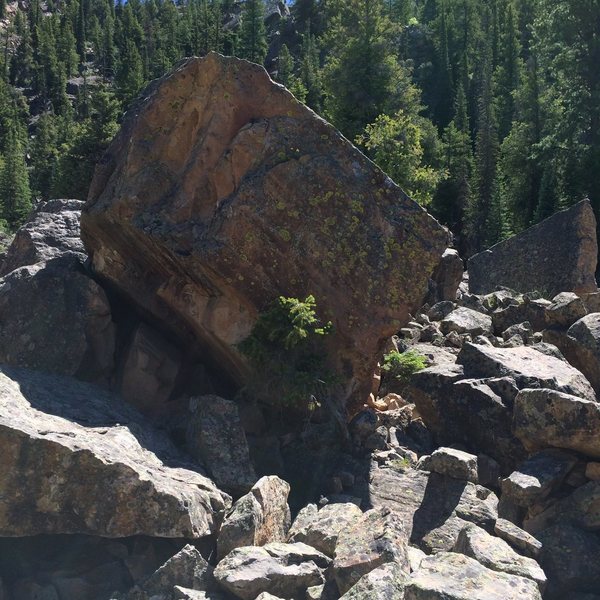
(322, 528)
(537, 476)
(494, 553)
(583, 351)
(517, 537)
(451, 462)
(380, 536)
(451, 576)
(383, 583)
(77, 460)
(545, 418)
(466, 320)
(217, 170)
(557, 255)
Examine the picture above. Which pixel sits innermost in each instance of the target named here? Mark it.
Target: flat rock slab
(528, 367)
(219, 169)
(434, 507)
(383, 583)
(77, 460)
(466, 320)
(557, 255)
(450, 576)
(545, 418)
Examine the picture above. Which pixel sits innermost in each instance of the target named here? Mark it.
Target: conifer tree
(15, 194)
(253, 37)
(130, 72)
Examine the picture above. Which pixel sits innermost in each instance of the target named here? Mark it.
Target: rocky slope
(476, 478)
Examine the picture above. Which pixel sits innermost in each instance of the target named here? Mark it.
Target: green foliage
(253, 38)
(397, 146)
(402, 365)
(287, 354)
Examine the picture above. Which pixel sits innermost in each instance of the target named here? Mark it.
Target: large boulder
(44, 289)
(215, 436)
(557, 255)
(451, 576)
(51, 231)
(285, 570)
(77, 460)
(259, 517)
(527, 366)
(545, 418)
(583, 347)
(222, 192)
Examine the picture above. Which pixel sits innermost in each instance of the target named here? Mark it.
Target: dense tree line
(486, 111)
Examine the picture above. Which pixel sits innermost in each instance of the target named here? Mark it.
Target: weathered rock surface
(496, 554)
(383, 583)
(433, 507)
(537, 476)
(566, 308)
(447, 277)
(259, 517)
(557, 255)
(186, 569)
(517, 537)
(528, 367)
(321, 529)
(584, 348)
(451, 462)
(571, 559)
(52, 231)
(38, 301)
(76, 460)
(285, 570)
(466, 320)
(380, 536)
(215, 436)
(545, 418)
(451, 576)
(213, 173)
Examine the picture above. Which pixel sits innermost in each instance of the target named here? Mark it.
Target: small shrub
(401, 365)
(287, 354)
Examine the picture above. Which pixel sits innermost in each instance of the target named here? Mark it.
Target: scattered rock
(537, 476)
(378, 537)
(321, 529)
(285, 570)
(464, 320)
(259, 517)
(187, 253)
(451, 576)
(557, 255)
(215, 436)
(451, 462)
(518, 538)
(440, 310)
(494, 553)
(545, 418)
(592, 471)
(77, 460)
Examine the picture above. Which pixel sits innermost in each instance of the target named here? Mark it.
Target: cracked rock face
(222, 192)
(77, 460)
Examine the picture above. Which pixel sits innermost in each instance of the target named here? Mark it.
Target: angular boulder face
(77, 460)
(557, 255)
(222, 192)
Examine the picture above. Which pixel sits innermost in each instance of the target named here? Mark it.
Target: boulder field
(462, 461)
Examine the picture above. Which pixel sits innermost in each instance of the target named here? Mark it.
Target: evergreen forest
(487, 112)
